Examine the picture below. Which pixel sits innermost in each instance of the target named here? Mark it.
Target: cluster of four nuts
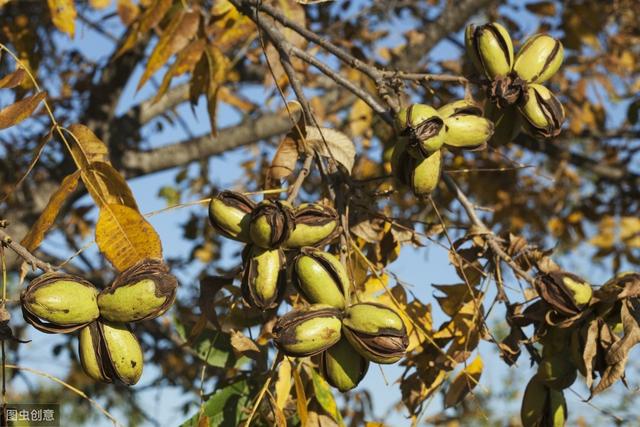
(63, 303)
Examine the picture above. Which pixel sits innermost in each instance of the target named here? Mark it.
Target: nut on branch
(59, 303)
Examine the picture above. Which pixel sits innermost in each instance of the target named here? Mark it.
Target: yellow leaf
(99, 4)
(360, 118)
(154, 14)
(229, 27)
(185, 62)
(630, 231)
(176, 36)
(63, 15)
(36, 234)
(324, 396)
(605, 239)
(18, 111)
(373, 284)
(283, 385)
(112, 186)
(104, 184)
(89, 147)
(301, 398)
(125, 237)
(463, 383)
(127, 10)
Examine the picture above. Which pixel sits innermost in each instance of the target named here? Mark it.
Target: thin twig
(294, 189)
(70, 387)
(272, 371)
(488, 235)
(8, 241)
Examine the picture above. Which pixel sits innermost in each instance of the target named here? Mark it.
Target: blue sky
(419, 268)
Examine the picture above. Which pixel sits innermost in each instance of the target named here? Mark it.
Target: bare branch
(137, 163)
(488, 235)
(7, 240)
(171, 99)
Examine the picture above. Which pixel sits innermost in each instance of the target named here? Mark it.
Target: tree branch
(137, 163)
(175, 96)
(7, 240)
(617, 174)
(488, 235)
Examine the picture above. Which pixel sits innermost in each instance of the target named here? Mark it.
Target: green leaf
(325, 397)
(224, 408)
(213, 347)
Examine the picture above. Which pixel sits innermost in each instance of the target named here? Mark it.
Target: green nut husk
(59, 303)
(141, 292)
(230, 213)
(542, 406)
(263, 276)
(557, 371)
(110, 352)
(539, 58)
(421, 175)
(467, 131)
(341, 367)
(271, 224)
(308, 331)
(422, 128)
(315, 225)
(542, 112)
(490, 48)
(460, 107)
(376, 331)
(566, 293)
(320, 277)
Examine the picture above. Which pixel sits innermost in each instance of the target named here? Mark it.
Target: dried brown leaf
(20, 110)
(46, 219)
(331, 144)
(463, 383)
(620, 349)
(244, 345)
(455, 297)
(278, 415)
(128, 11)
(13, 79)
(285, 159)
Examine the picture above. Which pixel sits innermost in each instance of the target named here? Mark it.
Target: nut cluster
(63, 303)
(285, 245)
(269, 228)
(514, 83)
(424, 132)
